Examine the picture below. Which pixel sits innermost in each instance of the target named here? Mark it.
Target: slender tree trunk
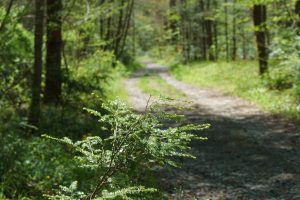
(260, 18)
(126, 26)
(209, 38)
(216, 42)
(3, 23)
(203, 32)
(54, 48)
(234, 45)
(173, 23)
(108, 33)
(243, 34)
(34, 113)
(101, 22)
(184, 33)
(120, 28)
(226, 31)
(297, 11)
(209, 34)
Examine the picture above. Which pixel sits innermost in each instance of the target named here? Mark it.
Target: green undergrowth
(153, 84)
(32, 166)
(240, 79)
(115, 87)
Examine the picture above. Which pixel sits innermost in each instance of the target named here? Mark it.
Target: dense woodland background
(55, 53)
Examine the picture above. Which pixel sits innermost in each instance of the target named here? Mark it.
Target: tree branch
(2, 26)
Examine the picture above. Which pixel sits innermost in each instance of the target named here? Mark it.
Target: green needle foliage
(135, 142)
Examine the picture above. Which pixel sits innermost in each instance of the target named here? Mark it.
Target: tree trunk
(120, 28)
(126, 27)
(173, 23)
(101, 22)
(209, 33)
(297, 11)
(216, 41)
(184, 31)
(209, 38)
(234, 46)
(54, 48)
(260, 18)
(203, 34)
(226, 31)
(244, 48)
(34, 113)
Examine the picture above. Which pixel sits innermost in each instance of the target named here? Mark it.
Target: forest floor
(249, 154)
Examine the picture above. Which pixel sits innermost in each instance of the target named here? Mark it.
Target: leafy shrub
(15, 62)
(136, 142)
(31, 167)
(90, 74)
(285, 72)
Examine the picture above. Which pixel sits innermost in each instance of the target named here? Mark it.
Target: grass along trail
(249, 153)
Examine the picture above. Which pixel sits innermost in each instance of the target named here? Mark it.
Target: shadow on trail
(248, 154)
(236, 162)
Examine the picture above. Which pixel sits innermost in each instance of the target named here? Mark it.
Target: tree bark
(216, 41)
(234, 40)
(34, 113)
(244, 43)
(226, 31)
(260, 18)
(54, 48)
(297, 11)
(126, 27)
(209, 38)
(209, 34)
(203, 31)
(184, 31)
(173, 23)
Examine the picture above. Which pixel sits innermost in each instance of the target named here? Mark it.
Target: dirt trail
(249, 154)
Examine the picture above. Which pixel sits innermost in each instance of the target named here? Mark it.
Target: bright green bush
(135, 143)
(15, 62)
(285, 69)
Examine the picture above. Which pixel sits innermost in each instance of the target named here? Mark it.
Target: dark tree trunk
(260, 18)
(297, 7)
(54, 48)
(297, 11)
(108, 29)
(203, 34)
(126, 27)
(226, 31)
(216, 42)
(209, 34)
(173, 23)
(244, 48)
(101, 22)
(209, 38)
(34, 113)
(120, 28)
(184, 31)
(234, 45)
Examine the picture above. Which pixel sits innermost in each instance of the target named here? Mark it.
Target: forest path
(249, 154)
